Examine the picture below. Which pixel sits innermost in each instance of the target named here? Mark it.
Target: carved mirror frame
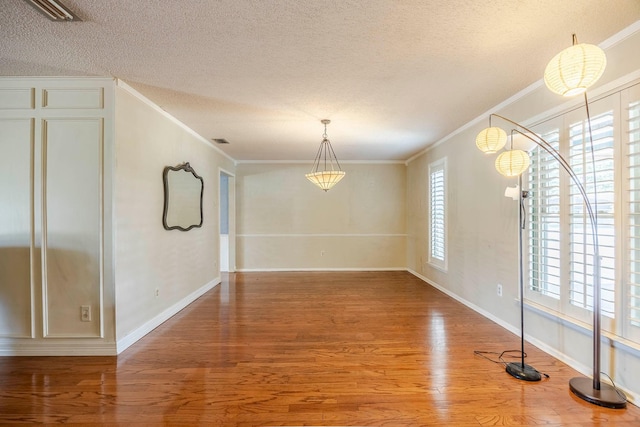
(170, 207)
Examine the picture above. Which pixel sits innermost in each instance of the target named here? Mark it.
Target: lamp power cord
(617, 390)
(499, 357)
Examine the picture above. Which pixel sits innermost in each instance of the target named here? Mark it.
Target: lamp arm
(541, 142)
(593, 219)
(557, 156)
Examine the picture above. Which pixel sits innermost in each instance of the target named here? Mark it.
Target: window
(437, 214)
(560, 248)
(580, 238)
(632, 202)
(544, 218)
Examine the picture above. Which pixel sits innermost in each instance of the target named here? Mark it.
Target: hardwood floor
(378, 349)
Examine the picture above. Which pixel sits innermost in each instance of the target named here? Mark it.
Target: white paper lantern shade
(512, 163)
(491, 140)
(575, 69)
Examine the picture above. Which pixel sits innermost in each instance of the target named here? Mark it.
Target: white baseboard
(67, 347)
(153, 323)
(275, 270)
(472, 306)
(580, 367)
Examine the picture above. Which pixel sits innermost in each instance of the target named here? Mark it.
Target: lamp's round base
(607, 396)
(523, 372)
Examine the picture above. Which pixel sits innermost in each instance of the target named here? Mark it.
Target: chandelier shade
(326, 171)
(491, 140)
(325, 179)
(512, 163)
(575, 69)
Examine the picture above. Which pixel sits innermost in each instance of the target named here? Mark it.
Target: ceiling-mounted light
(54, 10)
(326, 171)
(575, 69)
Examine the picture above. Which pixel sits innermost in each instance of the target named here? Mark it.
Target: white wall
(483, 226)
(55, 233)
(158, 271)
(286, 223)
(75, 154)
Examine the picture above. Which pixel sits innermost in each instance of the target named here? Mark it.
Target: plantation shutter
(544, 219)
(580, 239)
(437, 210)
(633, 162)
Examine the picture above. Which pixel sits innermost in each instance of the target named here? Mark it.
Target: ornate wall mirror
(183, 190)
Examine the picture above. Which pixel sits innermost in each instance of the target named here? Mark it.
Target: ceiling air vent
(54, 10)
(220, 141)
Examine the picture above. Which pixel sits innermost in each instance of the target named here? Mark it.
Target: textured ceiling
(393, 76)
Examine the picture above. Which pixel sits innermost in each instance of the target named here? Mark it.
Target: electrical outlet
(85, 313)
(157, 292)
(499, 290)
(321, 253)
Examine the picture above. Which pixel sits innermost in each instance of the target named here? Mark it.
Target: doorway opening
(226, 200)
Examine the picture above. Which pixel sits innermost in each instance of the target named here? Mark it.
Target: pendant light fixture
(326, 171)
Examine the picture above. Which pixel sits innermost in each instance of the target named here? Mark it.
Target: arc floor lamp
(569, 73)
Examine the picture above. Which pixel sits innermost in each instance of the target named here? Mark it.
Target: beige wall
(483, 227)
(158, 271)
(480, 228)
(286, 223)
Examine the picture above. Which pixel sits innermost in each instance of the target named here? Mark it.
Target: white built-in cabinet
(56, 287)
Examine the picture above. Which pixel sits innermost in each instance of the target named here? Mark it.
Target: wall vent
(54, 10)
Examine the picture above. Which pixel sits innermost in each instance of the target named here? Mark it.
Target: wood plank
(347, 348)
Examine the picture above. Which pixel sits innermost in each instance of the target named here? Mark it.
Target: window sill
(612, 340)
(438, 267)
